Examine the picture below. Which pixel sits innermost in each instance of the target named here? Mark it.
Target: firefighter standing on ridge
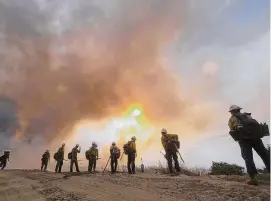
(131, 155)
(44, 160)
(243, 125)
(170, 149)
(59, 157)
(3, 159)
(92, 155)
(114, 155)
(73, 158)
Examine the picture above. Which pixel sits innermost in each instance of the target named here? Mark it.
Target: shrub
(222, 168)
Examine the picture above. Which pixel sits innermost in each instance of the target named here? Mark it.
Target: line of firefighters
(170, 143)
(243, 129)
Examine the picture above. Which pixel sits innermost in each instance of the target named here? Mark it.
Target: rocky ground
(32, 185)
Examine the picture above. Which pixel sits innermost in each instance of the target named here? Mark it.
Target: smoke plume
(63, 62)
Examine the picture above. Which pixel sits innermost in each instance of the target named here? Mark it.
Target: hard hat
(94, 144)
(234, 107)
(113, 143)
(164, 130)
(133, 138)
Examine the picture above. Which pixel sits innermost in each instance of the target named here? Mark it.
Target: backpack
(87, 154)
(126, 148)
(174, 140)
(116, 152)
(264, 130)
(70, 155)
(56, 156)
(251, 128)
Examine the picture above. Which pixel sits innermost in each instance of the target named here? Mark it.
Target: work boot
(253, 181)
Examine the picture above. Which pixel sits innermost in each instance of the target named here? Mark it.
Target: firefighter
(114, 155)
(74, 160)
(44, 160)
(59, 157)
(3, 159)
(131, 155)
(171, 151)
(238, 124)
(92, 155)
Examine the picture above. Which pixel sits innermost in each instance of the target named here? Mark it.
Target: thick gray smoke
(66, 61)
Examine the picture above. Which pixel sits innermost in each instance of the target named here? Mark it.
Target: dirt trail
(30, 185)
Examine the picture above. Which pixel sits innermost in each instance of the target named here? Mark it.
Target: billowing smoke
(66, 61)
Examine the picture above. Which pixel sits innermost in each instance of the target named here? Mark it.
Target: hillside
(32, 185)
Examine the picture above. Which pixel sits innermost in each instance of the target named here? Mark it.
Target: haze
(73, 68)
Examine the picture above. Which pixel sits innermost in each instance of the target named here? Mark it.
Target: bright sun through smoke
(132, 122)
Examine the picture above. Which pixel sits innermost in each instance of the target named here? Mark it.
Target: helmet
(94, 144)
(164, 130)
(133, 138)
(234, 107)
(113, 143)
(7, 152)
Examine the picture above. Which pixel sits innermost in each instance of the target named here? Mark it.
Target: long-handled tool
(179, 153)
(121, 156)
(163, 154)
(106, 164)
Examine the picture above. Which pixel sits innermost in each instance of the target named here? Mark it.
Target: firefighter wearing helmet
(4, 158)
(171, 144)
(244, 129)
(74, 160)
(131, 155)
(92, 156)
(45, 158)
(114, 156)
(59, 157)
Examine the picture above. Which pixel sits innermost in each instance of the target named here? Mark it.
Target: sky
(184, 61)
(236, 41)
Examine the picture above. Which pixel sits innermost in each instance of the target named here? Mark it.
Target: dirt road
(31, 185)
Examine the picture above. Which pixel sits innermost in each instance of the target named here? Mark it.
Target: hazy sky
(186, 60)
(235, 39)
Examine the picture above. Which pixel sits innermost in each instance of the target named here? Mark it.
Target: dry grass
(162, 169)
